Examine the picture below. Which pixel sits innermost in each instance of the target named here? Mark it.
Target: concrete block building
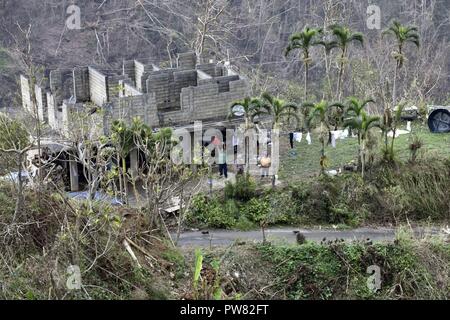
(172, 97)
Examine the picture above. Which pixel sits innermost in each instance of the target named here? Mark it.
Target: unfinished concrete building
(172, 97)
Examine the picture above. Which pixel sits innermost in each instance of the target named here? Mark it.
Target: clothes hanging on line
(291, 139)
(235, 141)
(308, 138)
(333, 139)
(408, 126)
(298, 136)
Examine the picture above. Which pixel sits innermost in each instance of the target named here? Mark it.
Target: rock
(300, 238)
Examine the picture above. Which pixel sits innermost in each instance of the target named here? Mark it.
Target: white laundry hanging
(235, 141)
(308, 138)
(298, 136)
(408, 126)
(333, 139)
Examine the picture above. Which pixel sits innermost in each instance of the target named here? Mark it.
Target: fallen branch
(130, 251)
(140, 249)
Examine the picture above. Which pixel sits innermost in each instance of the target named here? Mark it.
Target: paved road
(287, 235)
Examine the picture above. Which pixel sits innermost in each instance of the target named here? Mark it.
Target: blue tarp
(99, 196)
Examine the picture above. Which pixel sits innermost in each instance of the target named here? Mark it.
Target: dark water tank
(439, 121)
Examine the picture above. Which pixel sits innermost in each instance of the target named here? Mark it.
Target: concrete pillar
(73, 170)
(195, 154)
(134, 162)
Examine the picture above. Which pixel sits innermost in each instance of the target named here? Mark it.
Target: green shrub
(243, 189)
(244, 224)
(282, 209)
(390, 193)
(212, 213)
(256, 209)
(339, 270)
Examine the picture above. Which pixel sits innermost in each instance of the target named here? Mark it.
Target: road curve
(287, 235)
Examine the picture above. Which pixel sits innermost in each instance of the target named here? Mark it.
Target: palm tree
(355, 109)
(403, 35)
(362, 123)
(320, 111)
(328, 46)
(344, 37)
(304, 41)
(249, 106)
(278, 109)
(356, 106)
(395, 121)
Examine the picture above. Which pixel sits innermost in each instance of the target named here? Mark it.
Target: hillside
(253, 34)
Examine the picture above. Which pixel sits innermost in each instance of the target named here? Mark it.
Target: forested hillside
(251, 33)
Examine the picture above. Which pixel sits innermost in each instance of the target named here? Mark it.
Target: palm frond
(337, 105)
(357, 36)
(367, 101)
(354, 123)
(307, 105)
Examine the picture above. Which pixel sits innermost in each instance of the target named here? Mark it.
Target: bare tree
(14, 145)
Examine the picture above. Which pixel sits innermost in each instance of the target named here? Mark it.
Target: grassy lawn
(306, 162)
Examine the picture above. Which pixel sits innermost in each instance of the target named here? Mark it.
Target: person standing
(223, 168)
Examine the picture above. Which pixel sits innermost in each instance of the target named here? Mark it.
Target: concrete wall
(223, 82)
(52, 111)
(81, 84)
(129, 89)
(159, 83)
(61, 84)
(141, 74)
(211, 69)
(127, 108)
(98, 87)
(128, 70)
(205, 102)
(167, 86)
(67, 109)
(182, 79)
(187, 60)
(115, 86)
(41, 100)
(26, 93)
(208, 102)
